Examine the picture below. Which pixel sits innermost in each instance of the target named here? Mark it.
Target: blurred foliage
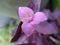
(55, 4)
(9, 18)
(9, 7)
(5, 34)
(44, 3)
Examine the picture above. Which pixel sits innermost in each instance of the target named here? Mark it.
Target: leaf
(39, 39)
(56, 4)
(17, 34)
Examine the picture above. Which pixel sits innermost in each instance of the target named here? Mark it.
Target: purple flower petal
(39, 17)
(46, 28)
(27, 28)
(25, 13)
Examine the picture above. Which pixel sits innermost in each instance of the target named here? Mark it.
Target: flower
(34, 22)
(38, 22)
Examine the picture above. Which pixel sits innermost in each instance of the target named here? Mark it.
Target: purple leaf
(17, 34)
(35, 5)
(56, 13)
(31, 39)
(31, 4)
(48, 14)
(39, 39)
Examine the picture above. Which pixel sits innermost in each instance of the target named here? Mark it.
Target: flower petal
(47, 28)
(27, 28)
(39, 17)
(25, 13)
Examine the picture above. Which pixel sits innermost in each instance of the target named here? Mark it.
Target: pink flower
(34, 22)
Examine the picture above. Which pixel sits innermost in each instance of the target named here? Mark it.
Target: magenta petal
(25, 13)
(39, 17)
(46, 28)
(27, 28)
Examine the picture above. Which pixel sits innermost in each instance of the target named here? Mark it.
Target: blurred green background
(9, 18)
